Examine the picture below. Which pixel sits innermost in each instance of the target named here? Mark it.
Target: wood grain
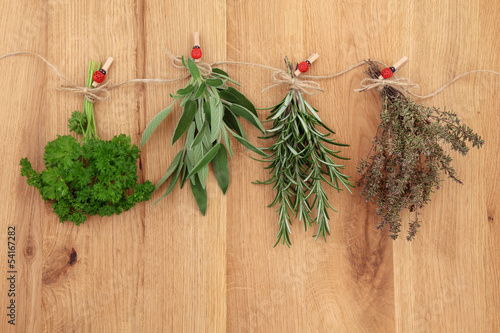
(166, 268)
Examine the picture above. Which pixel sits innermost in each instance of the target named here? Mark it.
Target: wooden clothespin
(196, 51)
(304, 65)
(100, 75)
(387, 72)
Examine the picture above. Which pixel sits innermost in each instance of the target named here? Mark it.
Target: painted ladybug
(304, 66)
(196, 52)
(387, 72)
(99, 76)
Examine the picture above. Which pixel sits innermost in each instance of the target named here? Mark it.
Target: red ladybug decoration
(99, 76)
(387, 72)
(196, 52)
(304, 66)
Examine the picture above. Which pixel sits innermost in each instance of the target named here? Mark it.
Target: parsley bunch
(300, 162)
(210, 113)
(90, 177)
(407, 159)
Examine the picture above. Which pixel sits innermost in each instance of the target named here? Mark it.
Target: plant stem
(88, 107)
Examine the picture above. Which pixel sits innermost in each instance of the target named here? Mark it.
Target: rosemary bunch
(210, 114)
(300, 162)
(407, 160)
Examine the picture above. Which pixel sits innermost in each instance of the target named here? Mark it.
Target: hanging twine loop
(281, 77)
(101, 93)
(379, 84)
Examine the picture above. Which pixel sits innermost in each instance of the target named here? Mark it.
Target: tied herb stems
(407, 159)
(210, 114)
(300, 163)
(88, 107)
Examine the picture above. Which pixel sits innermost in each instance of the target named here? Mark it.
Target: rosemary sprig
(300, 162)
(210, 113)
(407, 160)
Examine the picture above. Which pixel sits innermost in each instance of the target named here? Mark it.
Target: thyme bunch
(407, 160)
(300, 162)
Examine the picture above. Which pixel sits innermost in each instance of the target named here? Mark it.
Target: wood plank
(185, 267)
(99, 291)
(24, 101)
(345, 284)
(166, 268)
(441, 277)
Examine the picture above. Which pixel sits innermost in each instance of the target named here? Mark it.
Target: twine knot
(100, 93)
(306, 86)
(379, 84)
(205, 68)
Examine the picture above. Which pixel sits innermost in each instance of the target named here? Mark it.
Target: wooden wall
(166, 268)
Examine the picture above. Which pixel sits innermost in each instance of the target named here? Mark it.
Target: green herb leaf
(221, 169)
(214, 82)
(200, 195)
(200, 91)
(247, 144)
(173, 181)
(173, 166)
(245, 113)
(185, 121)
(193, 69)
(205, 160)
(243, 101)
(201, 134)
(154, 123)
(227, 96)
(186, 91)
(216, 114)
(219, 72)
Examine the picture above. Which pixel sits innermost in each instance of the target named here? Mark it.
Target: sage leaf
(217, 112)
(201, 90)
(245, 113)
(174, 180)
(221, 169)
(186, 91)
(233, 123)
(154, 123)
(205, 160)
(227, 96)
(247, 144)
(214, 82)
(199, 137)
(200, 195)
(193, 69)
(243, 101)
(185, 120)
(173, 166)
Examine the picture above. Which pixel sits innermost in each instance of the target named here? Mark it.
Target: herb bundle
(210, 111)
(300, 162)
(90, 176)
(407, 160)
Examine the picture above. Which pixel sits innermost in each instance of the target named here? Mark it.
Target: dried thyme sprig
(406, 161)
(300, 162)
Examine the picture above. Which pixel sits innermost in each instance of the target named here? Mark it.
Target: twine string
(371, 83)
(279, 76)
(446, 85)
(405, 84)
(101, 92)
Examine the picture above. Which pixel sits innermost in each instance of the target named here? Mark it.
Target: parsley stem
(88, 107)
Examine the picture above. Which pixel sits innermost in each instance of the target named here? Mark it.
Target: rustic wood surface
(166, 268)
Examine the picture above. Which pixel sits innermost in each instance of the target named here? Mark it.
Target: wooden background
(166, 268)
